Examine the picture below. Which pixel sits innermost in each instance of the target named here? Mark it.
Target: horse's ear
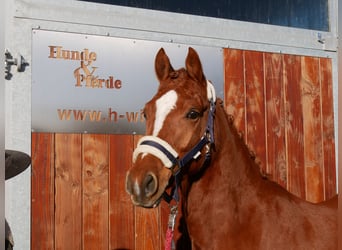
(194, 66)
(162, 65)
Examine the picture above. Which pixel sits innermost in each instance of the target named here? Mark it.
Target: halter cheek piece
(169, 157)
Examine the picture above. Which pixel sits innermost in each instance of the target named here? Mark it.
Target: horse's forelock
(174, 74)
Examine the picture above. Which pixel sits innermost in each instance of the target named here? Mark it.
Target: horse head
(178, 129)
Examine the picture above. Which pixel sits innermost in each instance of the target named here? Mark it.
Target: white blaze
(164, 105)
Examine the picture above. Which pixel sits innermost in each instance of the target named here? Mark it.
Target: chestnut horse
(226, 202)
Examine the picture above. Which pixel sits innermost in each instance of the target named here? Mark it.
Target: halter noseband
(169, 157)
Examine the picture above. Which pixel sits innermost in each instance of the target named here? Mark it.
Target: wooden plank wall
(79, 199)
(282, 105)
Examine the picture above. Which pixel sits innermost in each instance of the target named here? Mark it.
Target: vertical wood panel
(147, 229)
(68, 183)
(255, 108)
(234, 87)
(95, 191)
(295, 152)
(311, 101)
(42, 191)
(275, 121)
(122, 233)
(294, 125)
(164, 218)
(147, 224)
(328, 127)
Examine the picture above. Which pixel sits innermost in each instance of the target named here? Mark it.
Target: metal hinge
(10, 60)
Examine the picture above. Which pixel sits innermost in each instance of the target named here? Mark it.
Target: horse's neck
(231, 164)
(228, 183)
(232, 156)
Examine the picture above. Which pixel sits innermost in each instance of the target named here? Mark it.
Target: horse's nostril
(150, 184)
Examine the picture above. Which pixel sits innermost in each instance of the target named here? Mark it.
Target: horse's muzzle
(142, 190)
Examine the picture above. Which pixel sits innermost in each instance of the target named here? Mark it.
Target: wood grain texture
(68, 185)
(121, 210)
(42, 192)
(95, 191)
(283, 105)
(255, 106)
(234, 87)
(328, 127)
(84, 205)
(311, 103)
(164, 211)
(294, 125)
(275, 120)
(147, 229)
(147, 224)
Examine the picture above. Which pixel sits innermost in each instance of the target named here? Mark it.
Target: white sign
(99, 84)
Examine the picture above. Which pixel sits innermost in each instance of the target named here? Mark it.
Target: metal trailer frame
(22, 16)
(2, 130)
(339, 114)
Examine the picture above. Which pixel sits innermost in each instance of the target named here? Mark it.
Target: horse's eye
(193, 115)
(144, 114)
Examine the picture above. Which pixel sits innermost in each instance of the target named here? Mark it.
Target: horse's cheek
(184, 138)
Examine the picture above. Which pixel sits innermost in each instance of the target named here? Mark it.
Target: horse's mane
(230, 121)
